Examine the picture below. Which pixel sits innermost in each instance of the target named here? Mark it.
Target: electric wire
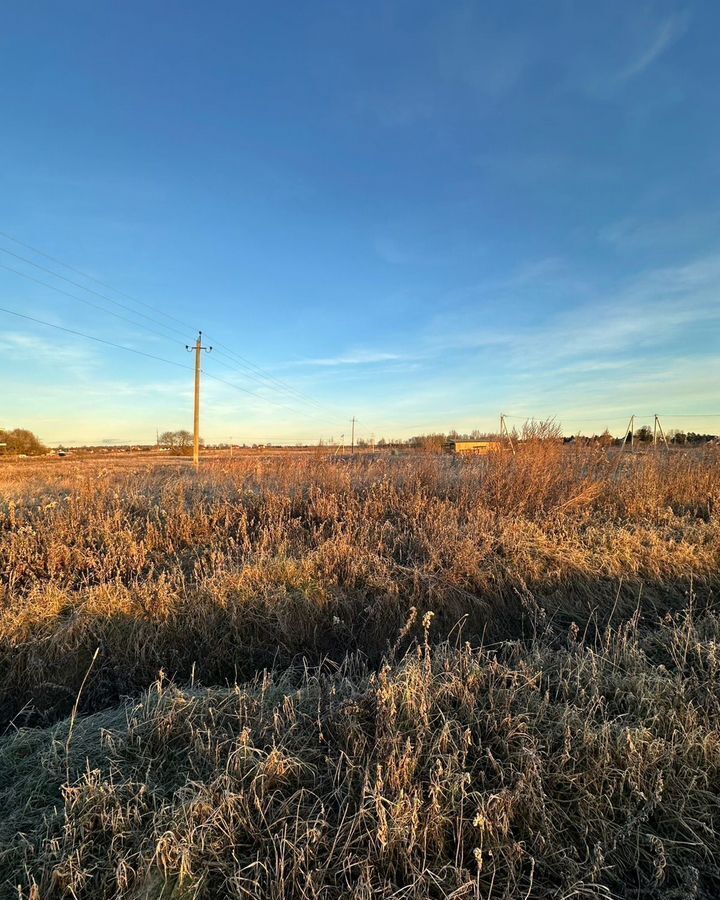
(83, 300)
(252, 371)
(90, 291)
(248, 372)
(153, 356)
(96, 280)
(129, 297)
(244, 362)
(259, 396)
(250, 366)
(91, 337)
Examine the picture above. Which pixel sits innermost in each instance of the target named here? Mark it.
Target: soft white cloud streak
(666, 33)
(77, 359)
(354, 358)
(620, 349)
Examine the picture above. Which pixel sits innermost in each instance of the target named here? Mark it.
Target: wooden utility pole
(504, 430)
(198, 348)
(630, 430)
(658, 427)
(352, 437)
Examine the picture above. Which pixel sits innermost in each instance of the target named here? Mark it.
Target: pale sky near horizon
(418, 213)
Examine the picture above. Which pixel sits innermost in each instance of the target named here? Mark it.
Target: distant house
(475, 448)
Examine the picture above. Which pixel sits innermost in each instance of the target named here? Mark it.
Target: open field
(408, 677)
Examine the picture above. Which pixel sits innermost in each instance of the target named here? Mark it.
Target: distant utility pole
(198, 348)
(504, 431)
(629, 431)
(658, 427)
(352, 438)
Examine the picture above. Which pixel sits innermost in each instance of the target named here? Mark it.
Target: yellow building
(477, 448)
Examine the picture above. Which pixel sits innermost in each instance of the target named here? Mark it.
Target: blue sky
(422, 214)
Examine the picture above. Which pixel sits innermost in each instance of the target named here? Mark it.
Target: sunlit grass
(495, 678)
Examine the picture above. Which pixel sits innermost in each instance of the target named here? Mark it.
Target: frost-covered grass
(399, 677)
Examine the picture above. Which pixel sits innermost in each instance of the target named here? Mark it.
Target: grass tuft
(406, 677)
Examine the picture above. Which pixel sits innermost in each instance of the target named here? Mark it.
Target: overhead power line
(245, 363)
(265, 399)
(83, 300)
(257, 371)
(92, 278)
(153, 356)
(91, 337)
(120, 317)
(282, 402)
(90, 290)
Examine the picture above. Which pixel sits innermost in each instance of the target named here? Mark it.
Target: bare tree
(178, 440)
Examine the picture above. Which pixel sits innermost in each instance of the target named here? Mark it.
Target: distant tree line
(20, 440)
(533, 431)
(689, 437)
(644, 435)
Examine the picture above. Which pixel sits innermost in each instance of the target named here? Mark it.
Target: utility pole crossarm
(198, 348)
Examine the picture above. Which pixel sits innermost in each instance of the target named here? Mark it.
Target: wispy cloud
(354, 358)
(475, 52)
(395, 107)
(29, 346)
(529, 167)
(654, 307)
(670, 232)
(462, 48)
(608, 334)
(665, 33)
(613, 51)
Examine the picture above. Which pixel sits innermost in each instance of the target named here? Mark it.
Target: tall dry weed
(256, 563)
(555, 768)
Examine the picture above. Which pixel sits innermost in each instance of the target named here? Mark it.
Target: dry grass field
(295, 676)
